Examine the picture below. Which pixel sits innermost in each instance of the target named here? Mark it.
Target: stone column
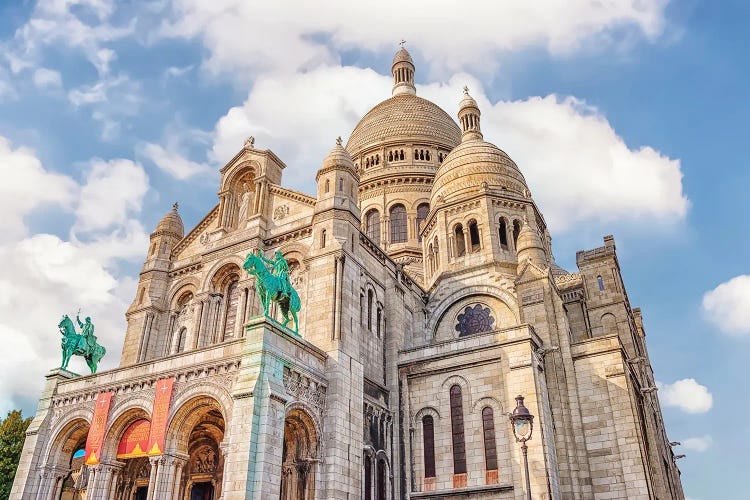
(240, 318)
(194, 330)
(165, 477)
(180, 461)
(152, 479)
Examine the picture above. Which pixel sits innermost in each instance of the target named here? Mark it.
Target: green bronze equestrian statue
(83, 344)
(274, 285)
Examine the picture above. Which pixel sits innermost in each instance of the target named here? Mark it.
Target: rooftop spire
(468, 115)
(403, 72)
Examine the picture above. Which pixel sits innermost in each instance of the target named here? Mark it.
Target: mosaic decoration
(475, 319)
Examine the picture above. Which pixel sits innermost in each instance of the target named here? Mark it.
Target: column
(164, 477)
(152, 478)
(240, 318)
(179, 464)
(195, 330)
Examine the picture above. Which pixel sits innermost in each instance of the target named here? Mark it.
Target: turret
(529, 247)
(403, 73)
(337, 182)
(167, 234)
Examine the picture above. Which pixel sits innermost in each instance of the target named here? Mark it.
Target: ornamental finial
(466, 89)
(402, 43)
(176, 205)
(339, 142)
(250, 142)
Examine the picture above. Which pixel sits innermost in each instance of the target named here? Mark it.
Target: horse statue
(274, 287)
(80, 344)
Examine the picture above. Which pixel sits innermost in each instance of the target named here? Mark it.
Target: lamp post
(523, 426)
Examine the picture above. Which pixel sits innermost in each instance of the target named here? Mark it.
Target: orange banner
(159, 416)
(134, 441)
(98, 427)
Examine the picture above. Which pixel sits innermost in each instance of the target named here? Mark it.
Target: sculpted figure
(80, 344)
(244, 203)
(274, 285)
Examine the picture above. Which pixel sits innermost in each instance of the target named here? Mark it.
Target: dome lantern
(468, 115)
(403, 72)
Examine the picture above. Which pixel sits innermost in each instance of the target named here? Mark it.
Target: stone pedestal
(25, 486)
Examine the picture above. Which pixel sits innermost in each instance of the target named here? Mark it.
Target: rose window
(474, 319)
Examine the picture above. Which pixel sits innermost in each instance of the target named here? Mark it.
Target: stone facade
(430, 300)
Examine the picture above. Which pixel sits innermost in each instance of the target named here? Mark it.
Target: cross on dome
(402, 43)
(176, 205)
(339, 141)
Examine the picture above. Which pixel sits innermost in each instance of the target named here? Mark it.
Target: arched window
(428, 445)
(474, 235)
(341, 185)
(323, 238)
(460, 243)
(398, 224)
(402, 154)
(390, 156)
(377, 159)
(600, 282)
(430, 258)
(457, 430)
(369, 309)
(181, 339)
(328, 185)
(516, 231)
(503, 233)
(372, 225)
(423, 210)
(379, 321)
(490, 448)
(437, 253)
(230, 315)
(427, 155)
(416, 154)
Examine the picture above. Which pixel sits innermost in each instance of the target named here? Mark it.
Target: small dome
(171, 223)
(402, 56)
(477, 165)
(467, 101)
(404, 117)
(528, 239)
(337, 158)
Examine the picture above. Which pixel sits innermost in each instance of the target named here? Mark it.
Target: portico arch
(299, 456)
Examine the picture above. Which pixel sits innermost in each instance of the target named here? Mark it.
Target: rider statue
(87, 331)
(280, 270)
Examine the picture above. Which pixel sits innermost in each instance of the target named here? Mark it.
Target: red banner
(159, 416)
(134, 441)
(98, 427)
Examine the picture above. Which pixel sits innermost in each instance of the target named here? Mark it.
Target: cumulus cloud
(728, 306)
(687, 395)
(577, 166)
(26, 186)
(47, 78)
(698, 443)
(45, 276)
(173, 162)
(314, 32)
(113, 190)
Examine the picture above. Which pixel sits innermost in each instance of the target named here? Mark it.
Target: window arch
(516, 231)
(181, 336)
(323, 238)
(372, 225)
(398, 224)
(474, 235)
(503, 233)
(457, 430)
(328, 185)
(600, 282)
(423, 210)
(341, 184)
(437, 253)
(490, 446)
(460, 242)
(428, 445)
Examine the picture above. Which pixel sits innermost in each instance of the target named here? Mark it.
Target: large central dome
(404, 117)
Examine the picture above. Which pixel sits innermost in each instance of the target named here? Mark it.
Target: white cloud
(173, 162)
(45, 276)
(698, 443)
(687, 395)
(314, 31)
(728, 306)
(567, 150)
(26, 186)
(47, 78)
(113, 190)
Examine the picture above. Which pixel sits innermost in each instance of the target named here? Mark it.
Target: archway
(196, 432)
(67, 453)
(299, 456)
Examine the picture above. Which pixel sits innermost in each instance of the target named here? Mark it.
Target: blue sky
(627, 119)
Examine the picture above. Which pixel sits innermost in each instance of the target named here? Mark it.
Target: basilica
(429, 301)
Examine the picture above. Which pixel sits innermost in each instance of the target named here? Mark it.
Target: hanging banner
(159, 416)
(134, 441)
(98, 428)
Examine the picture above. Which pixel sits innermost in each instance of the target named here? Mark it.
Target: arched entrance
(197, 430)
(66, 476)
(299, 457)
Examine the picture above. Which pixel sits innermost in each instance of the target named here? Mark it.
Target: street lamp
(523, 426)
